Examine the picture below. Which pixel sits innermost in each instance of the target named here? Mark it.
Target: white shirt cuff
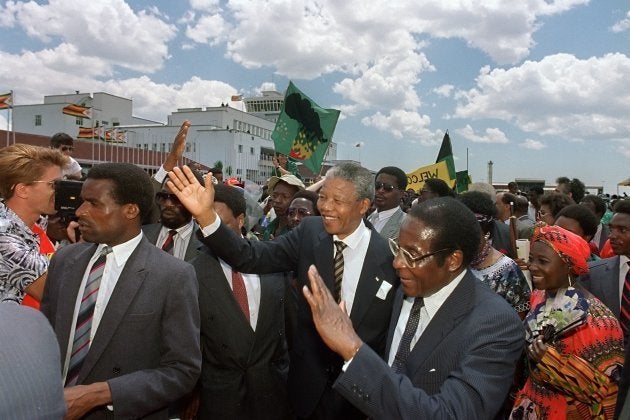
(212, 227)
(160, 175)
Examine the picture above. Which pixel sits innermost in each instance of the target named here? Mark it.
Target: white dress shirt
(114, 265)
(623, 270)
(180, 241)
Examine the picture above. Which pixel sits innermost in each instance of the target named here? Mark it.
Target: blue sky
(539, 87)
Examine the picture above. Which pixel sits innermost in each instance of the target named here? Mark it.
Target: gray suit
(152, 232)
(462, 366)
(147, 344)
(602, 281)
(392, 226)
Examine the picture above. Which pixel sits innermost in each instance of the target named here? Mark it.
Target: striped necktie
(169, 243)
(83, 327)
(338, 269)
(404, 348)
(624, 317)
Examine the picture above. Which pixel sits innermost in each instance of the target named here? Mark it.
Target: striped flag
(78, 111)
(236, 98)
(88, 133)
(6, 100)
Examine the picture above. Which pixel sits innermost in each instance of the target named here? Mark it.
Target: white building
(240, 140)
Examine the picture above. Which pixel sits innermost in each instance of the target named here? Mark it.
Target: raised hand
(331, 320)
(198, 199)
(179, 145)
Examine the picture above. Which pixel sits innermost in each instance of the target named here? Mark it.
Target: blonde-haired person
(27, 191)
(574, 342)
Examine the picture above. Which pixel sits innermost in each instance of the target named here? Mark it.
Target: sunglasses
(163, 196)
(300, 211)
(385, 187)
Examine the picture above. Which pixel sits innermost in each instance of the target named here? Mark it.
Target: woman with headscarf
(574, 342)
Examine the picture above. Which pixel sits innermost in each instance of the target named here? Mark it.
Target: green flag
(446, 154)
(304, 129)
(463, 181)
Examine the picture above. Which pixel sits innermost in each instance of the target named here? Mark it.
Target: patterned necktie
(624, 317)
(240, 293)
(81, 342)
(404, 348)
(338, 269)
(169, 242)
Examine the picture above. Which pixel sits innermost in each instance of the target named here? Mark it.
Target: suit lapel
(323, 252)
(396, 308)
(129, 282)
(192, 250)
(456, 306)
(215, 283)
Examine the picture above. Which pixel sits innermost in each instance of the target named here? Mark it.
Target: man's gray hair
(359, 176)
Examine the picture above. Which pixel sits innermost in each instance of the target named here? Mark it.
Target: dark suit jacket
(313, 365)
(244, 373)
(461, 368)
(147, 344)
(501, 239)
(152, 232)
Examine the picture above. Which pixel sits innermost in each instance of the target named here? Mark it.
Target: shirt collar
(182, 231)
(122, 252)
(355, 237)
(434, 302)
(386, 213)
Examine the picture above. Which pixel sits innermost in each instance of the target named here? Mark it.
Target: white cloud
(491, 135)
(622, 25)
(560, 95)
(209, 29)
(623, 147)
(205, 5)
(532, 144)
(444, 90)
(404, 124)
(106, 30)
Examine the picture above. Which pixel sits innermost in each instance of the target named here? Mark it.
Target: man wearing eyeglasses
(65, 144)
(453, 343)
(27, 192)
(389, 188)
(176, 231)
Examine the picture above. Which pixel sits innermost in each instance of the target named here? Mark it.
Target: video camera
(67, 199)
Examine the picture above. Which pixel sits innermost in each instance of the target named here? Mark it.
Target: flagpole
(12, 116)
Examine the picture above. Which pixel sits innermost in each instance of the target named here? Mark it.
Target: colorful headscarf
(573, 250)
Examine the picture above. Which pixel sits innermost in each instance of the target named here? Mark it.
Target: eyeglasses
(385, 187)
(67, 148)
(51, 183)
(410, 260)
(301, 211)
(163, 196)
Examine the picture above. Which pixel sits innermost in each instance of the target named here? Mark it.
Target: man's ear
(365, 205)
(131, 211)
(241, 221)
(455, 260)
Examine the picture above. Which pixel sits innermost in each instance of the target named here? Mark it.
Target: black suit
(314, 367)
(244, 372)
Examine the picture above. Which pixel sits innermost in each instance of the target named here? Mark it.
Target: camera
(67, 199)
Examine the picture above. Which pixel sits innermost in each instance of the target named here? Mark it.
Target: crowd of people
(173, 296)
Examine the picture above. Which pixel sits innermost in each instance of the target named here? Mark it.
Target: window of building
(78, 121)
(240, 148)
(251, 150)
(38, 120)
